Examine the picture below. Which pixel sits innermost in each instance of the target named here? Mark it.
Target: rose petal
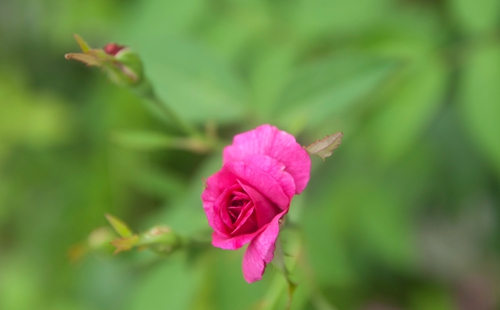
(215, 186)
(221, 207)
(260, 251)
(233, 243)
(276, 169)
(260, 180)
(280, 145)
(246, 222)
(265, 210)
(229, 175)
(216, 192)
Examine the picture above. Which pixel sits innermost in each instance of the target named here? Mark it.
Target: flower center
(238, 201)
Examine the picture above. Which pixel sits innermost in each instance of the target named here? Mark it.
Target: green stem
(173, 117)
(146, 92)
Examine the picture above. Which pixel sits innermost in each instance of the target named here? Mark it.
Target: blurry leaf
(350, 211)
(56, 19)
(432, 298)
(479, 93)
(159, 182)
(36, 119)
(119, 226)
(158, 18)
(67, 303)
(476, 16)
(384, 225)
(328, 86)
(81, 42)
(143, 140)
(197, 84)
(451, 245)
(224, 275)
(107, 283)
(326, 249)
(410, 35)
(186, 215)
(230, 31)
(171, 285)
(270, 74)
(20, 283)
(407, 110)
(317, 16)
(325, 147)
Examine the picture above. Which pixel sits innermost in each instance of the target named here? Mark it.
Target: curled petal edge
(260, 251)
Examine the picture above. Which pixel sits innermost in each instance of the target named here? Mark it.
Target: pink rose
(262, 170)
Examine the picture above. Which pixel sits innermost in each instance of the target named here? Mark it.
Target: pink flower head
(244, 201)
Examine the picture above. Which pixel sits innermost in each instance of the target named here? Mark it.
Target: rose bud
(113, 48)
(121, 64)
(245, 201)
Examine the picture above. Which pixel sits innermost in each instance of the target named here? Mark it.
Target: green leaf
(432, 298)
(119, 226)
(269, 76)
(41, 118)
(148, 141)
(329, 86)
(357, 212)
(316, 16)
(479, 92)
(224, 275)
(187, 216)
(171, 285)
(157, 181)
(410, 35)
(81, 42)
(407, 109)
(476, 16)
(21, 283)
(195, 82)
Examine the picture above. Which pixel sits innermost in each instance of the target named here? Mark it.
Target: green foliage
(403, 215)
(479, 104)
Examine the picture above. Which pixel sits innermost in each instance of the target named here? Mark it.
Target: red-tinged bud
(113, 48)
(122, 65)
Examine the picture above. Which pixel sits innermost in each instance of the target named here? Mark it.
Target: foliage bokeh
(403, 216)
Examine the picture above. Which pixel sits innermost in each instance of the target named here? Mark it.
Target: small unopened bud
(161, 239)
(325, 147)
(97, 242)
(112, 48)
(121, 64)
(129, 66)
(100, 238)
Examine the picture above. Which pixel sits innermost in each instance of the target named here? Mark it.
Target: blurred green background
(404, 215)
